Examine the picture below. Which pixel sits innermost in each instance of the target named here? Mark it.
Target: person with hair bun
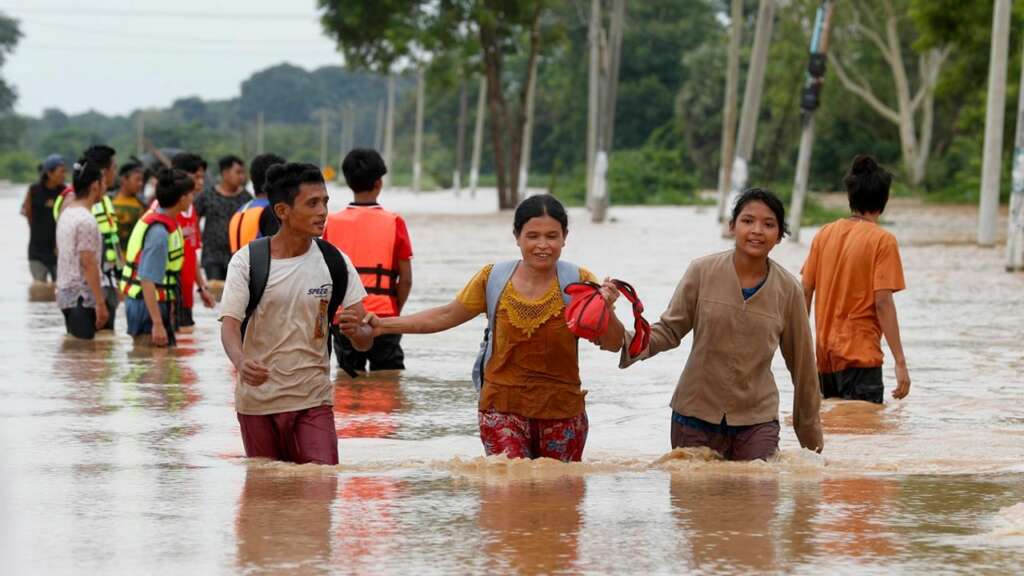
(531, 402)
(151, 280)
(741, 307)
(854, 268)
(80, 252)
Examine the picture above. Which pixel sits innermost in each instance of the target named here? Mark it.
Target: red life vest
(367, 237)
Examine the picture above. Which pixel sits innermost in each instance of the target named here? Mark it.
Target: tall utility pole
(1015, 227)
(350, 127)
(991, 167)
(608, 91)
(389, 130)
(259, 132)
(140, 133)
(378, 131)
(524, 153)
(808, 104)
(593, 94)
(478, 137)
(460, 138)
(342, 144)
(755, 84)
(323, 139)
(417, 147)
(729, 113)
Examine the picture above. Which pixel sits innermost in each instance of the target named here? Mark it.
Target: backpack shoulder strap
(567, 274)
(259, 273)
(501, 273)
(339, 275)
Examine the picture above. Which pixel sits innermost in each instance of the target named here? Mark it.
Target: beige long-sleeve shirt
(728, 374)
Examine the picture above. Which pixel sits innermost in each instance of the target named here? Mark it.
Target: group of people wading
(299, 274)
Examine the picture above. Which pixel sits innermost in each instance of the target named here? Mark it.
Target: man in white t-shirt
(284, 394)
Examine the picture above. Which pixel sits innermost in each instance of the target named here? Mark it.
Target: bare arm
(808, 297)
(253, 372)
(159, 332)
(885, 307)
(361, 335)
(26, 206)
(428, 321)
(404, 282)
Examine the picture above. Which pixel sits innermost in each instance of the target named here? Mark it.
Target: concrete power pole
(389, 131)
(342, 144)
(1015, 227)
(460, 139)
(808, 104)
(755, 85)
(593, 93)
(606, 115)
(478, 137)
(417, 147)
(729, 114)
(988, 215)
(140, 133)
(259, 132)
(323, 139)
(378, 131)
(524, 153)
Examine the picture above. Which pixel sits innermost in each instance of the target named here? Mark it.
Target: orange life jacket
(367, 236)
(244, 226)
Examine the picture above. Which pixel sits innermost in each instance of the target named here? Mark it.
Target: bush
(18, 166)
(647, 175)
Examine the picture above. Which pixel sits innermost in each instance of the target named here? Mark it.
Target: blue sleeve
(154, 255)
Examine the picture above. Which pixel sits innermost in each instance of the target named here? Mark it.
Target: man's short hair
(131, 166)
(99, 155)
(362, 168)
(228, 161)
(189, 162)
(258, 170)
(284, 180)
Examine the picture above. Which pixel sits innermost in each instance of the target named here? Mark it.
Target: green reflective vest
(166, 289)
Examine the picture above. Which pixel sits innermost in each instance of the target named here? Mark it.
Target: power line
(146, 50)
(191, 39)
(79, 12)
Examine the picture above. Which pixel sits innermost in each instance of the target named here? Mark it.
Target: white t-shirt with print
(288, 331)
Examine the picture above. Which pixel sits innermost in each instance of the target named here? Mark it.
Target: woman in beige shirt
(531, 402)
(741, 306)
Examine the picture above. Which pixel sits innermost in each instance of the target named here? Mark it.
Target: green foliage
(18, 166)
(9, 36)
(647, 175)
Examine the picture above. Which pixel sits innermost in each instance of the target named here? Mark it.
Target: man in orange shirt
(378, 243)
(854, 265)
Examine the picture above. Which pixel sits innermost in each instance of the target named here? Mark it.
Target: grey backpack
(500, 276)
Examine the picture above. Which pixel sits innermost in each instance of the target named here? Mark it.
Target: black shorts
(183, 316)
(80, 321)
(215, 271)
(386, 353)
(853, 384)
(110, 297)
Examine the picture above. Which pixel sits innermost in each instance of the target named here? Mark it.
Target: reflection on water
(116, 458)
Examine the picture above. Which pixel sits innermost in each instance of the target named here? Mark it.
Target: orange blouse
(534, 370)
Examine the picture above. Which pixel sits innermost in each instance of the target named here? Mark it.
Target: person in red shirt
(191, 274)
(377, 241)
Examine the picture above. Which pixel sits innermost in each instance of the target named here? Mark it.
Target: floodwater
(115, 460)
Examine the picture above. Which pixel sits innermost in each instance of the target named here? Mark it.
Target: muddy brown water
(121, 460)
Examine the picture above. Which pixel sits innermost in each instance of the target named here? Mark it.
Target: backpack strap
(259, 273)
(339, 281)
(567, 274)
(499, 277)
(339, 275)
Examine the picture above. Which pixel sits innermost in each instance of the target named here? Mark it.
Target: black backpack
(259, 274)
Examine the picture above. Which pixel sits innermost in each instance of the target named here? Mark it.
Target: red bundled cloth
(587, 315)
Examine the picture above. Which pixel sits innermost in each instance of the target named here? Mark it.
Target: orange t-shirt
(533, 371)
(850, 260)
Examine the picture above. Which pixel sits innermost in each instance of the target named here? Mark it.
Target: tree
(867, 29)
(9, 36)
(390, 34)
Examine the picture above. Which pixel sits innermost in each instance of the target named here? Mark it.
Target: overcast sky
(114, 56)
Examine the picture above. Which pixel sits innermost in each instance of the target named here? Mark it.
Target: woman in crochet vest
(531, 401)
